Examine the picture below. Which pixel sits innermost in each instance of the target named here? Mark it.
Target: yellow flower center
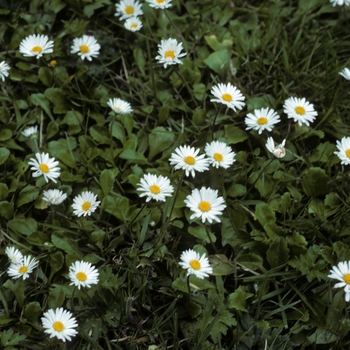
(195, 264)
(129, 10)
(204, 206)
(37, 49)
(300, 110)
(154, 189)
(58, 326)
(227, 97)
(86, 206)
(44, 168)
(84, 49)
(81, 276)
(190, 160)
(347, 152)
(347, 278)
(53, 63)
(262, 121)
(160, 1)
(23, 269)
(218, 157)
(134, 25)
(170, 54)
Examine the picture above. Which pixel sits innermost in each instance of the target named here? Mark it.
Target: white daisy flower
(22, 268)
(160, 4)
(86, 47)
(300, 110)
(169, 52)
(14, 255)
(4, 70)
(343, 150)
(85, 203)
(128, 8)
(185, 157)
(82, 274)
(54, 197)
(278, 151)
(44, 165)
(342, 274)
(345, 72)
(195, 264)
(59, 323)
(133, 24)
(219, 154)
(262, 119)
(340, 2)
(35, 45)
(205, 204)
(229, 95)
(32, 130)
(155, 187)
(119, 106)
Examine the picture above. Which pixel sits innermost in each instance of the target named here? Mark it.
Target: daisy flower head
(35, 45)
(229, 95)
(59, 323)
(82, 274)
(133, 24)
(205, 204)
(85, 203)
(340, 2)
(346, 71)
(155, 187)
(128, 8)
(219, 154)
(86, 47)
(119, 106)
(14, 255)
(343, 150)
(187, 158)
(262, 119)
(278, 151)
(169, 52)
(4, 70)
(195, 264)
(342, 274)
(22, 268)
(30, 131)
(54, 197)
(160, 4)
(300, 110)
(44, 165)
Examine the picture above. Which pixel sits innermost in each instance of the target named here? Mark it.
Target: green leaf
(57, 296)
(237, 190)
(28, 194)
(218, 61)
(67, 244)
(56, 262)
(6, 209)
(140, 60)
(4, 153)
(278, 252)
(264, 214)
(41, 101)
(159, 140)
(45, 75)
(23, 226)
(133, 157)
(234, 134)
(3, 190)
(73, 119)
(100, 134)
(198, 116)
(237, 299)
(107, 180)
(57, 97)
(32, 311)
(315, 182)
(17, 288)
(118, 131)
(5, 134)
(221, 265)
(201, 233)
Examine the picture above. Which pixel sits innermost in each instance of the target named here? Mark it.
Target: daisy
(54, 197)
(300, 110)
(229, 95)
(205, 204)
(155, 187)
(195, 264)
(160, 4)
(82, 274)
(35, 45)
(44, 165)
(59, 323)
(4, 70)
(169, 52)
(22, 268)
(344, 150)
(185, 157)
(133, 24)
(85, 203)
(32, 130)
(342, 274)
(345, 72)
(220, 155)
(262, 119)
(128, 8)
(278, 151)
(119, 106)
(14, 255)
(86, 47)
(340, 2)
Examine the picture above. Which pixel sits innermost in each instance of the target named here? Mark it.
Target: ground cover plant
(174, 174)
